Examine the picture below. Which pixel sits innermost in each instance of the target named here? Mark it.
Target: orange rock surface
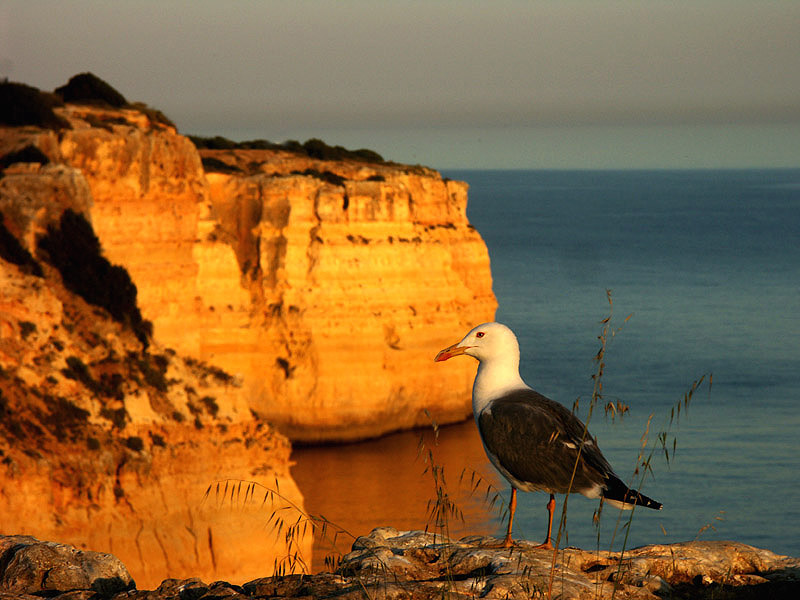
(108, 447)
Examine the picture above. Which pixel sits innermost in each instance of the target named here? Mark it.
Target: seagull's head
(486, 342)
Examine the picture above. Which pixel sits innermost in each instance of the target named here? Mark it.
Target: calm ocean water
(707, 265)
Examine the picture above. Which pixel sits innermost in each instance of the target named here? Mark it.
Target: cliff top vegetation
(22, 104)
(312, 148)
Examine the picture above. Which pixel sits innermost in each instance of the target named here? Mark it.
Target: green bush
(325, 176)
(154, 368)
(155, 115)
(212, 143)
(22, 104)
(135, 443)
(90, 89)
(26, 328)
(118, 416)
(313, 148)
(211, 405)
(76, 369)
(316, 148)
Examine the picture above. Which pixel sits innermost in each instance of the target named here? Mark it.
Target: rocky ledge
(393, 564)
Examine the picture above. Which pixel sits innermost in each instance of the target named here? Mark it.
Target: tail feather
(618, 494)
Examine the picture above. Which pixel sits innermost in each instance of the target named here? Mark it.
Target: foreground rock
(392, 564)
(28, 566)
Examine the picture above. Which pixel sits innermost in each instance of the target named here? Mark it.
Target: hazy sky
(445, 83)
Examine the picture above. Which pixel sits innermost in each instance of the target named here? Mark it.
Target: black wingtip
(618, 493)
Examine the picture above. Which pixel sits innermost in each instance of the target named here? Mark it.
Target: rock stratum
(326, 286)
(415, 565)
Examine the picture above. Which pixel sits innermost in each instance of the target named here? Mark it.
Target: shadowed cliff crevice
(75, 251)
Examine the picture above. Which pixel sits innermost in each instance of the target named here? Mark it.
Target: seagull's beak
(450, 352)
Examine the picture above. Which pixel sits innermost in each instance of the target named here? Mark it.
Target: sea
(686, 285)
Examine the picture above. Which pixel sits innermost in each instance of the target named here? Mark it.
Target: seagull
(534, 442)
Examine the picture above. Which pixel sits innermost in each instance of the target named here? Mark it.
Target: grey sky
(461, 83)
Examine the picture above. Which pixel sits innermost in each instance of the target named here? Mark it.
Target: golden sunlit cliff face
(326, 287)
(357, 274)
(108, 443)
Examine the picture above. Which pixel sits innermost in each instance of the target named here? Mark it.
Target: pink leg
(512, 506)
(551, 507)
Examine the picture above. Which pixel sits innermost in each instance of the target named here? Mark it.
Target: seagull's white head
(496, 347)
(488, 342)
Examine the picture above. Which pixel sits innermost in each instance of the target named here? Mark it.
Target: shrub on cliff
(64, 420)
(213, 143)
(88, 88)
(75, 251)
(215, 165)
(313, 148)
(316, 148)
(325, 176)
(22, 104)
(219, 142)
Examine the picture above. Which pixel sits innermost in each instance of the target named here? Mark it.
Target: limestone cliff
(325, 286)
(356, 274)
(105, 443)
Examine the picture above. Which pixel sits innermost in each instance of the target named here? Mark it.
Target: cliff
(357, 272)
(107, 440)
(139, 366)
(416, 565)
(324, 286)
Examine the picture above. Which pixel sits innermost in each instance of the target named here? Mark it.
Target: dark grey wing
(537, 442)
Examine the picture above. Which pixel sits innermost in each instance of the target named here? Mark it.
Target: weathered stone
(413, 565)
(28, 566)
(387, 559)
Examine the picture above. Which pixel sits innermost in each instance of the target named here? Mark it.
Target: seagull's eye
(480, 334)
